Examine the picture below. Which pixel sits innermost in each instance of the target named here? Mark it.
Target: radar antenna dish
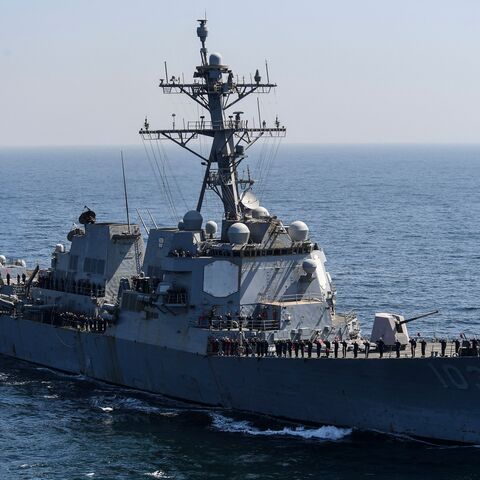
(249, 200)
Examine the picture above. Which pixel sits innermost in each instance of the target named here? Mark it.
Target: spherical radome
(215, 59)
(192, 220)
(211, 227)
(298, 231)
(238, 233)
(260, 212)
(309, 266)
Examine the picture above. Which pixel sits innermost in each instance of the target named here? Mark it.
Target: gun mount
(391, 328)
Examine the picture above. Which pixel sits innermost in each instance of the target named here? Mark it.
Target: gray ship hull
(407, 396)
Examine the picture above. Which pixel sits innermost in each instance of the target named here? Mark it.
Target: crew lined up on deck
(257, 347)
(8, 279)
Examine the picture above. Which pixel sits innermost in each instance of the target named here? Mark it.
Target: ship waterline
(409, 396)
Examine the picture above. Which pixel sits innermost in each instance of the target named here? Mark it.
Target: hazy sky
(85, 73)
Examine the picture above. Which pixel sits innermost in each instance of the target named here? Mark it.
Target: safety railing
(81, 287)
(72, 320)
(243, 324)
(294, 297)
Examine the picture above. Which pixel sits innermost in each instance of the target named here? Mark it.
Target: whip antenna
(125, 190)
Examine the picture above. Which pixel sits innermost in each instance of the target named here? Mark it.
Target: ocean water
(400, 229)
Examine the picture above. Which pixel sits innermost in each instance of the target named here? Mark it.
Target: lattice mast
(215, 89)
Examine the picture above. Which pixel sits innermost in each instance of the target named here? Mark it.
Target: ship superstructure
(255, 272)
(229, 316)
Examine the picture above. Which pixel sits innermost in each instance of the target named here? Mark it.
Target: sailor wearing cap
(380, 346)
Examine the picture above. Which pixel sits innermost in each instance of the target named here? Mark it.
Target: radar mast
(215, 89)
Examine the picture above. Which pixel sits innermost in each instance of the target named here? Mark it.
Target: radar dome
(211, 228)
(260, 212)
(215, 59)
(181, 225)
(192, 220)
(309, 266)
(59, 248)
(238, 233)
(3, 259)
(298, 231)
(20, 263)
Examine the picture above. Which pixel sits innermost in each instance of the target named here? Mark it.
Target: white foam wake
(109, 403)
(158, 474)
(329, 433)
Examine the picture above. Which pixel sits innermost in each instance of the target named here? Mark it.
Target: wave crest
(326, 433)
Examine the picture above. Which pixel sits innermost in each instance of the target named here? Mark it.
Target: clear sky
(76, 72)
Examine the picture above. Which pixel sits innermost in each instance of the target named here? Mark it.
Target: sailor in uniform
(366, 344)
(355, 349)
(443, 347)
(295, 348)
(327, 348)
(398, 345)
(413, 346)
(266, 345)
(256, 345)
(309, 348)
(380, 346)
(474, 347)
(423, 346)
(289, 348)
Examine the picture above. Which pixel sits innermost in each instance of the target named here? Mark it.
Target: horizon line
(288, 144)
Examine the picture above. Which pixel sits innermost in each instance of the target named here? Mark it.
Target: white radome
(59, 248)
(298, 231)
(238, 233)
(211, 228)
(309, 266)
(260, 213)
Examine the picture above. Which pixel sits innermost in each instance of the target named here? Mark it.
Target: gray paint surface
(360, 393)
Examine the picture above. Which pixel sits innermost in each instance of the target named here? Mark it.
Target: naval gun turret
(391, 327)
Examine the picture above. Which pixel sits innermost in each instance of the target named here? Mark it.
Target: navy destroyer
(241, 316)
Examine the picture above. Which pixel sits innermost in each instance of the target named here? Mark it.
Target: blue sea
(400, 226)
